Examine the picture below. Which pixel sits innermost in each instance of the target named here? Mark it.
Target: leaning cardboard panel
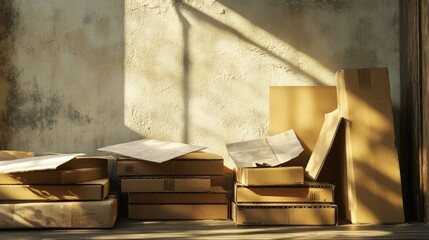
(216, 195)
(91, 190)
(165, 184)
(284, 214)
(308, 192)
(178, 211)
(74, 214)
(373, 177)
(270, 176)
(192, 164)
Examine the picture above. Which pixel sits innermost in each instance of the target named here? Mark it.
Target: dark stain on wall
(76, 117)
(300, 5)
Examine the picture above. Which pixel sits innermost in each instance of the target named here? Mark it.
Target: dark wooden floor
(127, 229)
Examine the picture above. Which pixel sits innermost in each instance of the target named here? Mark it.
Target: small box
(192, 164)
(165, 184)
(313, 192)
(270, 176)
(216, 195)
(284, 214)
(71, 214)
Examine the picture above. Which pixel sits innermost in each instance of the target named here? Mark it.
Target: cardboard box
(373, 178)
(54, 176)
(216, 195)
(284, 214)
(270, 176)
(73, 214)
(178, 211)
(308, 192)
(165, 184)
(192, 164)
(91, 190)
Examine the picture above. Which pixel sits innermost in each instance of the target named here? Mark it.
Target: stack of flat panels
(176, 189)
(55, 191)
(280, 196)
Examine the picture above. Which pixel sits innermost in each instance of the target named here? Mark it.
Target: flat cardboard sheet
(151, 150)
(271, 151)
(72, 214)
(165, 184)
(323, 144)
(270, 176)
(216, 195)
(192, 164)
(178, 211)
(35, 163)
(313, 192)
(91, 190)
(284, 214)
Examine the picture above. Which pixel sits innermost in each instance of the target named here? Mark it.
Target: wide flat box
(178, 211)
(91, 190)
(373, 178)
(284, 214)
(314, 192)
(270, 176)
(192, 164)
(165, 184)
(71, 214)
(216, 195)
(54, 176)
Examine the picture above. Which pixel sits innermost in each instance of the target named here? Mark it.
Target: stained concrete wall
(78, 75)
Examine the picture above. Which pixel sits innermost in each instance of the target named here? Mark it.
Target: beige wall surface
(78, 75)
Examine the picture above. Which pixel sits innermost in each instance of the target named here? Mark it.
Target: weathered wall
(83, 74)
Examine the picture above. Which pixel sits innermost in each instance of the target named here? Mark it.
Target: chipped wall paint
(84, 74)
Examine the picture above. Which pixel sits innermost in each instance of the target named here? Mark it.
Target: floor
(128, 229)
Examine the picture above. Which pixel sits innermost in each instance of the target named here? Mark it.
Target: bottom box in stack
(310, 203)
(74, 195)
(211, 205)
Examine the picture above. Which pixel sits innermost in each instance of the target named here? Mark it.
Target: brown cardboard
(165, 184)
(9, 154)
(303, 109)
(71, 214)
(270, 176)
(216, 195)
(308, 192)
(284, 214)
(373, 178)
(54, 176)
(192, 164)
(178, 211)
(91, 190)
(86, 162)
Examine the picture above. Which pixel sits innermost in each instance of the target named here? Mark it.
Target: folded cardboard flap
(284, 214)
(76, 214)
(308, 192)
(90, 190)
(9, 154)
(166, 184)
(270, 176)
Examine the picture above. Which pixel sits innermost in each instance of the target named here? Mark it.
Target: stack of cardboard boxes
(55, 191)
(176, 189)
(280, 196)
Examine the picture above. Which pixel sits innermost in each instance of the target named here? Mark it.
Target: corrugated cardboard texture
(270, 176)
(178, 211)
(54, 176)
(89, 214)
(308, 192)
(302, 109)
(193, 164)
(373, 177)
(91, 190)
(165, 184)
(216, 195)
(284, 214)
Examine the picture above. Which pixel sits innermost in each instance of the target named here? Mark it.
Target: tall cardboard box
(373, 178)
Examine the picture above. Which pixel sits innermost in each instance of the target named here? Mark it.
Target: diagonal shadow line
(186, 66)
(205, 18)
